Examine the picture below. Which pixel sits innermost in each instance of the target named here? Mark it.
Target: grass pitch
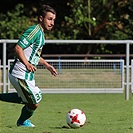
(106, 113)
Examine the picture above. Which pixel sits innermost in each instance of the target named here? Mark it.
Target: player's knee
(36, 106)
(32, 106)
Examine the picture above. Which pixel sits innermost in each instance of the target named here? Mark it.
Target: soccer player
(28, 51)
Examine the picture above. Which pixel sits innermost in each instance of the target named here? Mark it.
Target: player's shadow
(63, 127)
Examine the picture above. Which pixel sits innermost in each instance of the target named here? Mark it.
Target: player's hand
(30, 67)
(52, 70)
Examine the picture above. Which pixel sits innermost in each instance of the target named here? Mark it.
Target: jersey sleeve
(29, 37)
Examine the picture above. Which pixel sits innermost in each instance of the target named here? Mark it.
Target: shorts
(26, 90)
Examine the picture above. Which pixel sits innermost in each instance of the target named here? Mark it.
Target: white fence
(127, 82)
(132, 76)
(81, 76)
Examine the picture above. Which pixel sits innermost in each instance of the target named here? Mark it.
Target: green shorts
(26, 90)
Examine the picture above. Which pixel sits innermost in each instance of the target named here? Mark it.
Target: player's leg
(26, 113)
(31, 95)
(11, 97)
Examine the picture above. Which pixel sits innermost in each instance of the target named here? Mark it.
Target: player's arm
(48, 66)
(20, 54)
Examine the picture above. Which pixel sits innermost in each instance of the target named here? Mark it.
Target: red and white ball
(75, 118)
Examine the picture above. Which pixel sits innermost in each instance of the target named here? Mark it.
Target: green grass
(106, 113)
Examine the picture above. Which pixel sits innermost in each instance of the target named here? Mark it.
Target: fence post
(59, 66)
(127, 71)
(4, 67)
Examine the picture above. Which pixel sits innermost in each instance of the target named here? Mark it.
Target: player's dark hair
(44, 9)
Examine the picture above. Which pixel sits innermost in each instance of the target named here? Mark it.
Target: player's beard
(49, 27)
(46, 27)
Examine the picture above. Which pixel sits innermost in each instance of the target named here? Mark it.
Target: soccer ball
(75, 118)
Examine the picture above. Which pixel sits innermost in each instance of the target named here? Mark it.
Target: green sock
(11, 97)
(25, 114)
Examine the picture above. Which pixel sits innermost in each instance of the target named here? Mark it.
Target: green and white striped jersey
(31, 42)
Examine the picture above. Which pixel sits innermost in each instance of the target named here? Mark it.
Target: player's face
(47, 22)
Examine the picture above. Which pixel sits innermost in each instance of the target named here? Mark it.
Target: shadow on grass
(63, 127)
(66, 127)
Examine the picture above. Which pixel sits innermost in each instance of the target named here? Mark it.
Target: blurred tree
(117, 25)
(14, 23)
(76, 19)
(110, 20)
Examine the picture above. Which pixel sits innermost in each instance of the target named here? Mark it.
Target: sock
(11, 97)
(25, 114)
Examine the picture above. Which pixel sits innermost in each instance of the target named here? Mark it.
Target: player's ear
(40, 18)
